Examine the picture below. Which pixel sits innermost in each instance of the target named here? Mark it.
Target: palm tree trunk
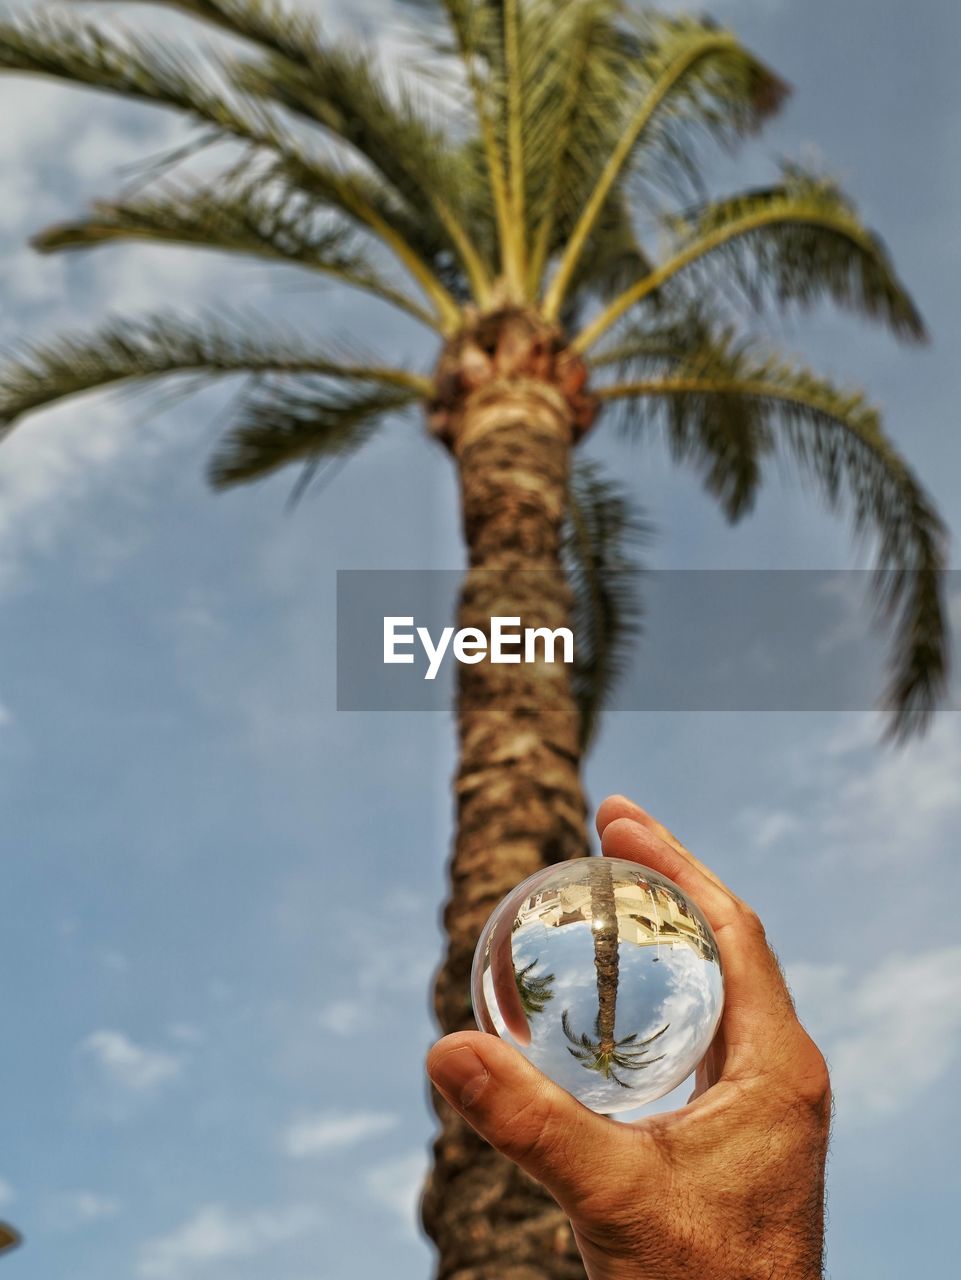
(511, 417)
(604, 910)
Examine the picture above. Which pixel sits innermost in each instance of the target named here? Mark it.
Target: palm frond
(639, 349)
(330, 84)
(600, 531)
(364, 199)
(729, 406)
(626, 1054)
(474, 34)
(475, 27)
(272, 24)
(63, 47)
(535, 991)
(66, 48)
(282, 424)
(798, 242)
(613, 260)
(166, 346)
(576, 116)
(342, 90)
(684, 69)
(246, 216)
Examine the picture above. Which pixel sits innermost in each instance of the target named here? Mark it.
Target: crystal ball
(605, 975)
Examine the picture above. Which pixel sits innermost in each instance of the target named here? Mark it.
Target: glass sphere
(605, 975)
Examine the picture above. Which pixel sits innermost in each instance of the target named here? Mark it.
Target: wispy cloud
(396, 1185)
(343, 1016)
(314, 1135)
(883, 803)
(54, 469)
(75, 1209)
(218, 1234)
(888, 1034)
(46, 475)
(6, 1193)
(768, 827)
(130, 1066)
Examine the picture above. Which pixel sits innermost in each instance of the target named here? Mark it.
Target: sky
(220, 894)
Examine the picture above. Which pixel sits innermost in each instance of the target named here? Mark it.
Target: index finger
(615, 807)
(756, 999)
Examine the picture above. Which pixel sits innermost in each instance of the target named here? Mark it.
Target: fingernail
(461, 1075)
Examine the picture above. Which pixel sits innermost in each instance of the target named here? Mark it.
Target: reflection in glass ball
(605, 975)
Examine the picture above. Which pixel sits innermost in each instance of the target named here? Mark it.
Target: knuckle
(813, 1079)
(751, 922)
(802, 1082)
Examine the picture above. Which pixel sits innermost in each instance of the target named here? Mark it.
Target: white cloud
(53, 467)
(396, 1186)
(6, 716)
(768, 827)
(218, 1234)
(343, 1017)
(48, 469)
(130, 1066)
(75, 1209)
(6, 1193)
(888, 1034)
(313, 1135)
(890, 802)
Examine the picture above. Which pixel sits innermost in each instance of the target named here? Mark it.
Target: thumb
(522, 1113)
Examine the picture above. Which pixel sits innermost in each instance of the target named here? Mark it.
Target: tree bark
(606, 959)
(512, 414)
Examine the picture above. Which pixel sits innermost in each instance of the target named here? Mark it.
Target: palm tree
(535, 991)
(607, 1055)
(605, 1052)
(501, 207)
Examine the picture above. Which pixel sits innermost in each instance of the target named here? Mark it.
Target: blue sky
(221, 896)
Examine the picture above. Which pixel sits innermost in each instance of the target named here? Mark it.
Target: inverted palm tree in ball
(501, 207)
(605, 1053)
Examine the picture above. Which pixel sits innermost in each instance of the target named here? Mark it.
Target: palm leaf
(342, 90)
(683, 69)
(639, 349)
(600, 530)
(274, 26)
(729, 405)
(57, 45)
(333, 84)
(300, 423)
(613, 260)
(799, 242)
(166, 346)
(245, 217)
(63, 47)
(576, 113)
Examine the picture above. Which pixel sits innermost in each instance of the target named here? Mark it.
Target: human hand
(729, 1187)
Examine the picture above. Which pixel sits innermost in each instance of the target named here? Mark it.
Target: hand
(731, 1186)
